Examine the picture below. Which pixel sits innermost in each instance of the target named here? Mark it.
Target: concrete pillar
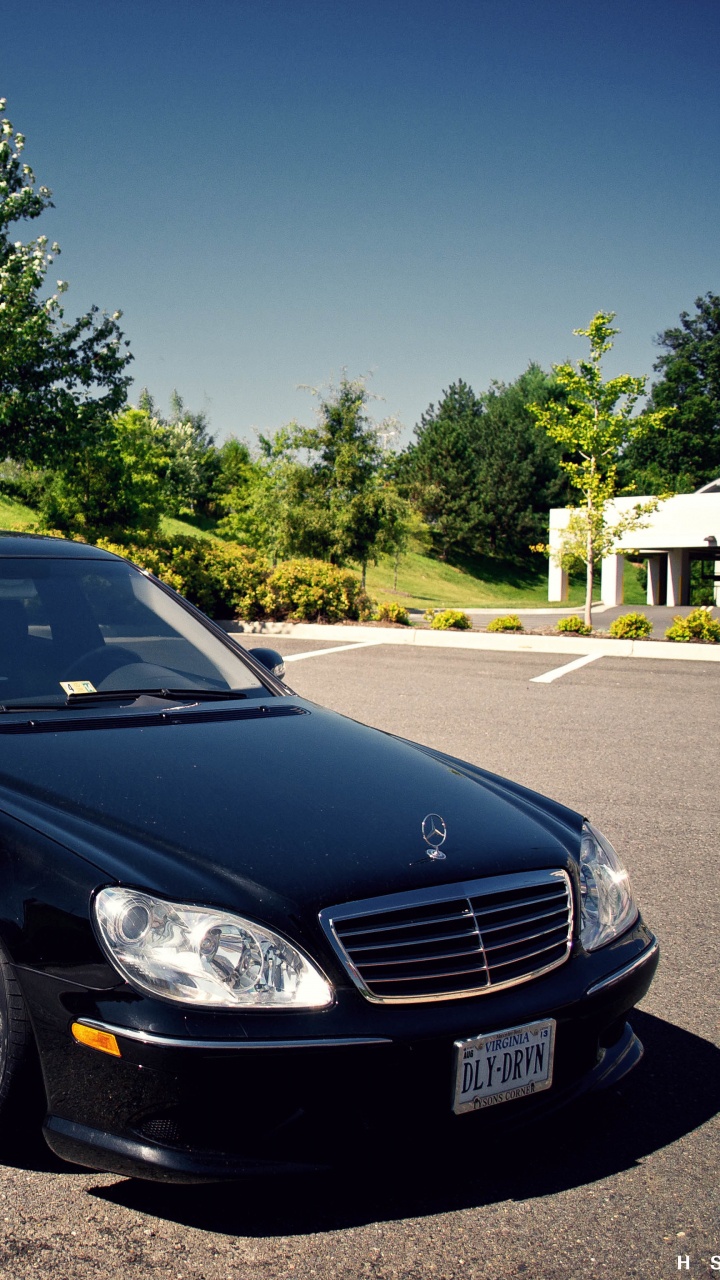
(558, 584)
(611, 579)
(678, 580)
(717, 583)
(653, 580)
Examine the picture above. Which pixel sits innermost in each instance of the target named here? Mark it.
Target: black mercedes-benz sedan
(238, 932)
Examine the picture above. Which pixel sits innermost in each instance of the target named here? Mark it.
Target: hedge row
(227, 580)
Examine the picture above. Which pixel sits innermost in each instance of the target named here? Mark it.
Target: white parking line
(557, 672)
(338, 648)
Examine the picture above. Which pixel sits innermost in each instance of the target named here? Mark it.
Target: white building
(684, 528)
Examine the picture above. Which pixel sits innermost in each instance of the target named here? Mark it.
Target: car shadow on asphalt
(585, 1142)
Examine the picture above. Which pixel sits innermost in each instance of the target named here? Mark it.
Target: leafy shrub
(307, 590)
(225, 580)
(222, 579)
(391, 611)
(508, 622)
(631, 626)
(450, 620)
(698, 625)
(574, 625)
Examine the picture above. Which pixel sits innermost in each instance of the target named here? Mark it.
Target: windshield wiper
(179, 695)
(122, 695)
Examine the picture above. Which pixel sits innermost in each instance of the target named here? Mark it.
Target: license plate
(503, 1065)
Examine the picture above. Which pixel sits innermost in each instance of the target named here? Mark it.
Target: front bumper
(183, 1106)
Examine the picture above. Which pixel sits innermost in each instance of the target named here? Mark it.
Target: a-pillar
(678, 578)
(611, 579)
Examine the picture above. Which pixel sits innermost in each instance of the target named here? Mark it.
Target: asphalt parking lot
(619, 1186)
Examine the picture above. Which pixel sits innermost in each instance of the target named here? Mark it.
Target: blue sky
(275, 190)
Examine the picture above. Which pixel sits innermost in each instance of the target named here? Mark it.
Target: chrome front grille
(461, 940)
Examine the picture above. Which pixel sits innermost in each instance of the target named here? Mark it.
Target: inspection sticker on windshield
(77, 686)
(503, 1065)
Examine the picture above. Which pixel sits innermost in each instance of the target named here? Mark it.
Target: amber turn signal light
(103, 1040)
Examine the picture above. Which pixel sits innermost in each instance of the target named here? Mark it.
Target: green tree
(519, 477)
(593, 426)
(341, 514)
(482, 475)
(58, 380)
(261, 496)
(440, 469)
(686, 455)
(403, 529)
(194, 463)
(115, 487)
(323, 491)
(347, 507)
(234, 460)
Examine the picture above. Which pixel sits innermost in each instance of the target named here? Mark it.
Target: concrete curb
(572, 646)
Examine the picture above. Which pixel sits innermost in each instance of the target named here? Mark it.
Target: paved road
(611, 1189)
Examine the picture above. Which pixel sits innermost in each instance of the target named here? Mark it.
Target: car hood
(281, 808)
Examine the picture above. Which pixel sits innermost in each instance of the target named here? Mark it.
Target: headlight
(606, 900)
(204, 957)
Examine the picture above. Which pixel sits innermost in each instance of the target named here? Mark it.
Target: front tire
(16, 1046)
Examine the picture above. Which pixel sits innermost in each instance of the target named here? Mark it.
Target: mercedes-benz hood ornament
(434, 833)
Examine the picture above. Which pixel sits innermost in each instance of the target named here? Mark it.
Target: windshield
(73, 627)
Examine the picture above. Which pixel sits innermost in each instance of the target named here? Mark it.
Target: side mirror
(271, 659)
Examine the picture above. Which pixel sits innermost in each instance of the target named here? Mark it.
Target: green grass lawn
(170, 525)
(633, 593)
(15, 515)
(479, 582)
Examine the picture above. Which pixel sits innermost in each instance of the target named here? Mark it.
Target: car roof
(38, 546)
